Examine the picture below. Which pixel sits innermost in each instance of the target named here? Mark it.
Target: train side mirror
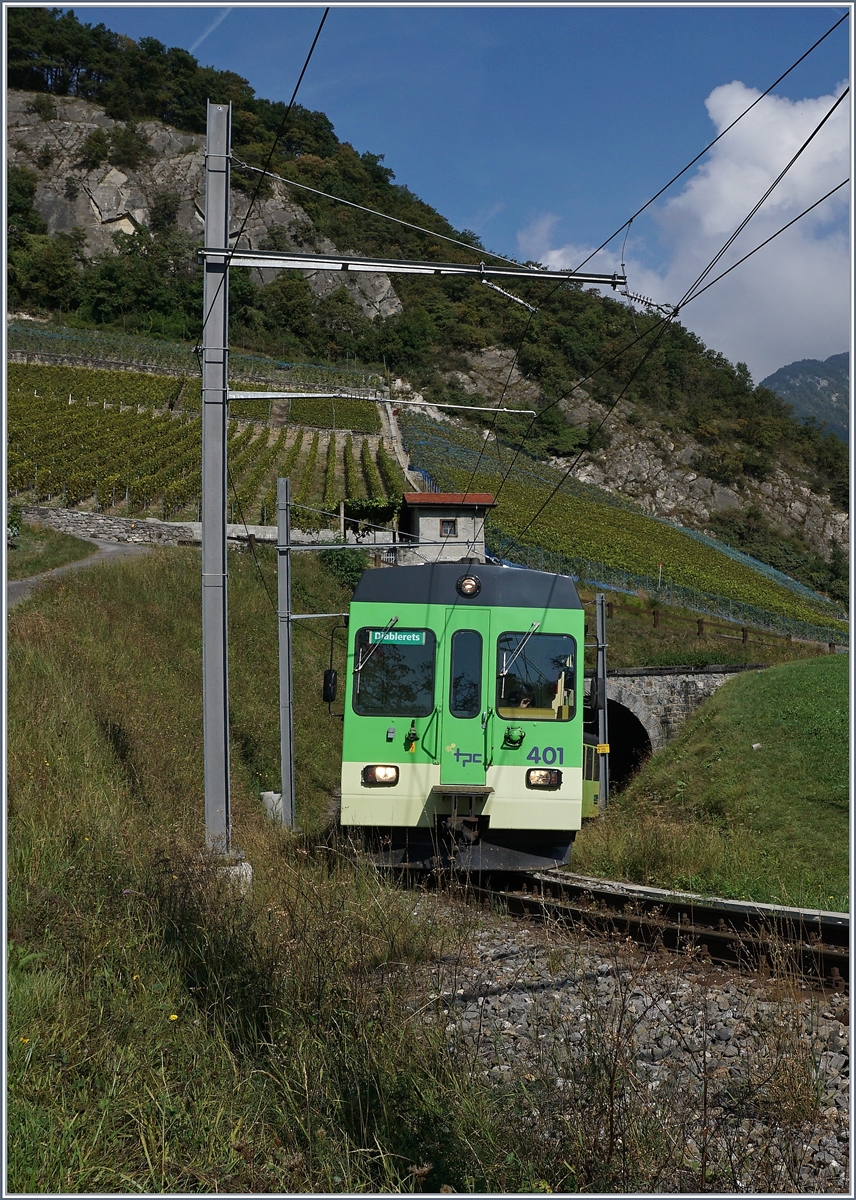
(331, 679)
(596, 697)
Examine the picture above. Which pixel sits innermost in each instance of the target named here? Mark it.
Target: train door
(465, 696)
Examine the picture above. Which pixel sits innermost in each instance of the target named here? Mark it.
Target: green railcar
(463, 716)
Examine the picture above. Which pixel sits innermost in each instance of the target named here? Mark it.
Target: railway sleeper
(749, 951)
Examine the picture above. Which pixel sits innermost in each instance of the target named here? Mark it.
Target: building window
(449, 527)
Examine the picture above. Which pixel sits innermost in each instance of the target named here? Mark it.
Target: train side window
(465, 674)
(591, 770)
(394, 672)
(536, 676)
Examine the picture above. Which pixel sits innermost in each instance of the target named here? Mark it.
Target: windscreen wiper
(507, 665)
(361, 662)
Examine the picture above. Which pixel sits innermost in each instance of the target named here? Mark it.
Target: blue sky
(543, 128)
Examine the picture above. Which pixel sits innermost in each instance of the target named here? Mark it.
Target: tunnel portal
(629, 744)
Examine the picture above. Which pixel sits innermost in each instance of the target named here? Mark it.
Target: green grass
(634, 640)
(36, 550)
(166, 1033)
(711, 814)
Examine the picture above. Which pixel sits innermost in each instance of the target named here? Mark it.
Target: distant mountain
(817, 389)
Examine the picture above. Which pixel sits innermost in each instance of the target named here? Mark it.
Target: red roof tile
(459, 499)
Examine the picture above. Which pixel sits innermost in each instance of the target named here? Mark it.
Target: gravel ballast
(727, 1081)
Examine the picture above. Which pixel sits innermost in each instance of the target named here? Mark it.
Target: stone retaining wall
(111, 529)
(173, 533)
(41, 358)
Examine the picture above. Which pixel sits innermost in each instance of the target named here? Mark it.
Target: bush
(346, 565)
(44, 107)
(128, 148)
(95, 149)
(13, 525)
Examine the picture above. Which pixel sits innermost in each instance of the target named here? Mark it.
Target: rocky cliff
(47, 135)
(48, 140)
(655, 469)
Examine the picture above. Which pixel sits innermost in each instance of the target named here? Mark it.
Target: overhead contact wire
(265, 172)
(767, 241)
(710, 266)
(688, 296)
(375, 213)
(710, 145)
(717, 257)
(276, 140)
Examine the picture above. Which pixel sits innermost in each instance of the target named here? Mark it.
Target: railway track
(763, 938)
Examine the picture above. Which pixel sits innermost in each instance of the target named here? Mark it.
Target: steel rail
(764, 938)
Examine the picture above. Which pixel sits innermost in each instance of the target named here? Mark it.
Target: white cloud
(792, 299)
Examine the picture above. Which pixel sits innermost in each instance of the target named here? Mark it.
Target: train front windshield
(394, 672)
(535, 676)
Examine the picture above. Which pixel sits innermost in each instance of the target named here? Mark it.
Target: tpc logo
(462, 756)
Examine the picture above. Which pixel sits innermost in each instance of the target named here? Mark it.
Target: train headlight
(543, 777)
(380, 776)
(468, 586)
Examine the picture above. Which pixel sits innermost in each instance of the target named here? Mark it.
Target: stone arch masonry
(662, 698)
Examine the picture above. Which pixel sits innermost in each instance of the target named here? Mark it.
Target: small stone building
(449, 526)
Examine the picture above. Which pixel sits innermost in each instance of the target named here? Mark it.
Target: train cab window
(394, 672)
(535, 676)
(465, 672)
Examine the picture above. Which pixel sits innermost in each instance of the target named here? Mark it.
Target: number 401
(549, 755)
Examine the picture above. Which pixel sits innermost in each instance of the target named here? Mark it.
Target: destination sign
(397, 637)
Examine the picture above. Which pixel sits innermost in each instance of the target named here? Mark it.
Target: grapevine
(352, 486)
(331, 497)
(251, 482)
(308, 478)
(284, 471)
(392, 478)
(370, 473)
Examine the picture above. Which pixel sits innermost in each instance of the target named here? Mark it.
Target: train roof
(436, 583)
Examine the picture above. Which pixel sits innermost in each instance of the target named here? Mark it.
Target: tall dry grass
(169, 1032)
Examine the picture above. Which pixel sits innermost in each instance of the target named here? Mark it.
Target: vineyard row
(149, 463)
(158, 393)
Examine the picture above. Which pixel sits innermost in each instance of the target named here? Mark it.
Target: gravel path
(21, 589)
(743, 1078)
